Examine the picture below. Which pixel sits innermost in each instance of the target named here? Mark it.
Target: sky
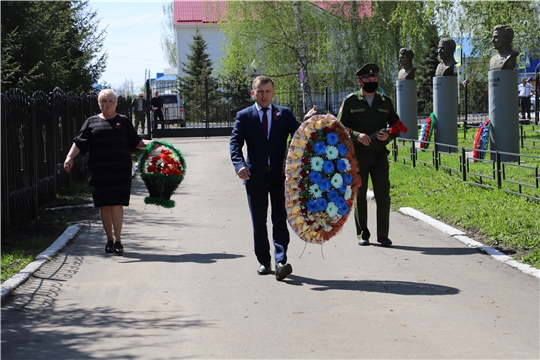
(134, 29)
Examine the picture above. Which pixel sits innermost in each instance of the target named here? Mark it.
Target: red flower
(314, 135)
(398, 127)
(165, 163)
(305, 161)
(303, 173)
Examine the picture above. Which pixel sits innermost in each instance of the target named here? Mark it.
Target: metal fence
(37, 133)
(519, 177)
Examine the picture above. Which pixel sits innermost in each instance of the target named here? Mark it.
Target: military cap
(369, 68)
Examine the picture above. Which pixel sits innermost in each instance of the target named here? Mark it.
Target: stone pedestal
(407, 107)
(445, 108)
(503, 113)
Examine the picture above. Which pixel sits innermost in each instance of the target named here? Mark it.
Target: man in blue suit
(264, 128)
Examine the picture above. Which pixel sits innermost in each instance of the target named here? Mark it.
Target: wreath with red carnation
(162, 172)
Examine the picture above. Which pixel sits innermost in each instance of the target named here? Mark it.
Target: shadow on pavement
(382, 286)
(191, 257)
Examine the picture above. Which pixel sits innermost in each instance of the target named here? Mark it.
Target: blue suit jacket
(248, 129)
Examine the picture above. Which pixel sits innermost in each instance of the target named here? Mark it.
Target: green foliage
(480, 17)
(283, 38)
(168, 39)
(426, 71)
(48, 44)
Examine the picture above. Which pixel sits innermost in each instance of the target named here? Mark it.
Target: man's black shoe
(282, 270)
(384, 241)
(263, 269)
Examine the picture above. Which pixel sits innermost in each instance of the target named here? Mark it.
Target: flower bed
(161, 173)
(321, 179)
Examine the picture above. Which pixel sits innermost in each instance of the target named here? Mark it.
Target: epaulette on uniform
(349, 96)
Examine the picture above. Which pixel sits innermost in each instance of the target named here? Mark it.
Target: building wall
(184, 38)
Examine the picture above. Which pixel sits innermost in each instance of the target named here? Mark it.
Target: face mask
(370, 87)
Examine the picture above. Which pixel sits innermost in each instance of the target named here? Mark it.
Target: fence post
(327, 100)
(149, 122)
(463, 165)
(498, 169)
(436, 157)
(207, 107)
(413, 153)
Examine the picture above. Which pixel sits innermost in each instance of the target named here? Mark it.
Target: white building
(203, 15)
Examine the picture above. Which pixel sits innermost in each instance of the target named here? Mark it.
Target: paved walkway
(187, 288)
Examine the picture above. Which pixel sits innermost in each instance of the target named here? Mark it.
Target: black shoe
(363, 242)
(118, 248)
(282, 270)
(384, 241)
(109, 247)
(264, 269)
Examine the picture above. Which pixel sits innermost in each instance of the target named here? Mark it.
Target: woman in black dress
(108, 138)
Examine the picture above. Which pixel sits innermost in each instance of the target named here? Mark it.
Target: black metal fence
(520, 177)
(37, 133)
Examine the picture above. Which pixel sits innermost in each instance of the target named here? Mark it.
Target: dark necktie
(265, 122)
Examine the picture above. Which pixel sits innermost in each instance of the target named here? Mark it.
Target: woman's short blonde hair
(108, 93)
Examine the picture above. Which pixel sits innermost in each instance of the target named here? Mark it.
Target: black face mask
(370, 87)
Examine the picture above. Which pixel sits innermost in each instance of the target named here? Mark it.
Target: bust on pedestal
(447, 46)
(405, 60)
(502, 95)
(502, 42)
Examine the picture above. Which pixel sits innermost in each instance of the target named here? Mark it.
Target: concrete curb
(13, 282)
(460, 235)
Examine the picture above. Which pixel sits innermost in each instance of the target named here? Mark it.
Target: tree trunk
(307, 101)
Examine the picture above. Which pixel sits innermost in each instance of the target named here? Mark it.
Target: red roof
(188, 12)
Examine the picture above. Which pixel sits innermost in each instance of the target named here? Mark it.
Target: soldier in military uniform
(367, 115)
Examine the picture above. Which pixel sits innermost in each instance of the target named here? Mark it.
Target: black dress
(109, 144)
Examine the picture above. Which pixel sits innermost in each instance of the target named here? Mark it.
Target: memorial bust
(405, 60)
(447, 46)
(502, 42)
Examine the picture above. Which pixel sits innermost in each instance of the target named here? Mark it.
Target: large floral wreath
(426, 132)
(481, 140)
(321, 179)
(162, 173)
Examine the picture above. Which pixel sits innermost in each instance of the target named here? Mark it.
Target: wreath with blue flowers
(321, 178)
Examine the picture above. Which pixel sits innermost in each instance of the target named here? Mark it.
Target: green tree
(427, 66)
(480, 17)
(198, 79)
(168, 39)
(48, 44)
(283, 38)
